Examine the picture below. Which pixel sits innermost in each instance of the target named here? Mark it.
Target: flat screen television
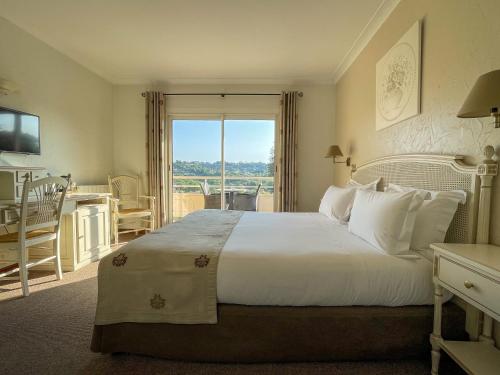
(19, 132)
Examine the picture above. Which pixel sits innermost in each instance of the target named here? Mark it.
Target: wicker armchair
(127, 212)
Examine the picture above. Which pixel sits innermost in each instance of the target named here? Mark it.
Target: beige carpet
(49, 333)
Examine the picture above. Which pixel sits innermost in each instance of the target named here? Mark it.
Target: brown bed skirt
(286, 334)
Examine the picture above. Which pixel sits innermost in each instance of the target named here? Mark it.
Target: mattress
(306, 259)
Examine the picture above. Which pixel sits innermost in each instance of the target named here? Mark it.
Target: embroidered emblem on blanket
(201, 261)
(157, 302)
(120, 260)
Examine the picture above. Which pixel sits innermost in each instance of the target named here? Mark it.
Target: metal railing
(267, 183)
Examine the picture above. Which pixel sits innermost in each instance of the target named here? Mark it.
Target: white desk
(85, 231)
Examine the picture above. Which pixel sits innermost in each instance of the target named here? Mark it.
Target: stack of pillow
(395, 221)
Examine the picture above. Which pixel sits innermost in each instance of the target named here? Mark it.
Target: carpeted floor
(49, 332)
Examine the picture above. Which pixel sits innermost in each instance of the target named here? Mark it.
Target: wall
(458, 45)
(316, 111)
(74, 105)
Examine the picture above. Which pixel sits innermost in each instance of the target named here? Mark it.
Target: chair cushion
(125, 211)
(13, 237)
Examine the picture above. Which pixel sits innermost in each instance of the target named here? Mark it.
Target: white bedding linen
(305, 259)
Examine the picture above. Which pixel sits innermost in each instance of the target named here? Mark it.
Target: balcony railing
(188, 195)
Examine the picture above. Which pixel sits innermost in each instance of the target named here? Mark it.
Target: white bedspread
(306, 259)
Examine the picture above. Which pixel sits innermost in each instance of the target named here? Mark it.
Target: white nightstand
(471, 272)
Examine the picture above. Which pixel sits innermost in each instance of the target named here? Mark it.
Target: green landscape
(213, 169)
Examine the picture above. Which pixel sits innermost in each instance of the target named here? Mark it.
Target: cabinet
(471, 272)
(85, 222)
(85, 235)
(12, 180)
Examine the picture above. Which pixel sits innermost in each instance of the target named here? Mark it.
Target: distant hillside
(203, 168)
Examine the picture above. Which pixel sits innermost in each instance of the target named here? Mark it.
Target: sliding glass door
(249, 163)
(221, 163)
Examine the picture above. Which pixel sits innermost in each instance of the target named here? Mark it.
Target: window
(220, 163)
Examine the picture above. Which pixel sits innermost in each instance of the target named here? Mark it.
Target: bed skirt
(286, 334)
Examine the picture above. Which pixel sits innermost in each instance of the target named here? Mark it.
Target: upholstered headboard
(443, 173)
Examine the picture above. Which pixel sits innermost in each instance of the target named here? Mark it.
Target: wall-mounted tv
(19, 132)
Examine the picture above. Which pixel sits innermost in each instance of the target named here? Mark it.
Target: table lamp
(484, 98)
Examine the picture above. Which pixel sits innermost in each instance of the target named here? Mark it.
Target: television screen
(19, 132)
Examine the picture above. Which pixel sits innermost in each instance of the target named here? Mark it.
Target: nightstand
(471, 272)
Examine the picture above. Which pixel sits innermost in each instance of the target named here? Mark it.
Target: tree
(270, 165)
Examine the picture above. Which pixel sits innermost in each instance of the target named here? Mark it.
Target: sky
(200, 140)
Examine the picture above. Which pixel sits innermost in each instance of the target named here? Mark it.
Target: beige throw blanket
(168, 276)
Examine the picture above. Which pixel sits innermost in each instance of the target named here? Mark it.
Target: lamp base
(347, 161)
(496, 117)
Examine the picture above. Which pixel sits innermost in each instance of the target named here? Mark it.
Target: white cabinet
(85, 233)
(12, 180)
(91, 240)
(471, 272)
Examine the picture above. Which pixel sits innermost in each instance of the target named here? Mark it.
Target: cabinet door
(92, 236)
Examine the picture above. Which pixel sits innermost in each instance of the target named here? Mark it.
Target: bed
(284, 295)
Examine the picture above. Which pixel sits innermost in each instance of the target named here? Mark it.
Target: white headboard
(442, 172)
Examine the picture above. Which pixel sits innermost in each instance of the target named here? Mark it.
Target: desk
(85, 231)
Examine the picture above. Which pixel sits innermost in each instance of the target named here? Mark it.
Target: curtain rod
(222, 94)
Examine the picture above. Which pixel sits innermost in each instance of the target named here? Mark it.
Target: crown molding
(378, 18)
(314, 81)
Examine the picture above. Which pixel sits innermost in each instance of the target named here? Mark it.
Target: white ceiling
(199, 41)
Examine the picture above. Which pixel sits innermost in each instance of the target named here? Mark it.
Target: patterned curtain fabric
(155, 124)
(288, 151)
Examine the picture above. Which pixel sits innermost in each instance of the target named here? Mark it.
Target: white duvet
(305, 259)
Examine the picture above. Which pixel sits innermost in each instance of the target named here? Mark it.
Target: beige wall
(316, 114)
(460, 40)
(74, 105)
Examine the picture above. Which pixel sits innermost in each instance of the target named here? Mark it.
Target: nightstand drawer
(470, 283)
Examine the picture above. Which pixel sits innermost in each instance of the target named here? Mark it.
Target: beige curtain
(288, 151)
(155, 125)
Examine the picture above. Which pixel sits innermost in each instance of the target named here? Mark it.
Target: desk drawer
(480, 288)
(21, 176)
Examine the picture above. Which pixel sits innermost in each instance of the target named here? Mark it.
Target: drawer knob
(468, 284)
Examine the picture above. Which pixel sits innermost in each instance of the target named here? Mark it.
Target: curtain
(155, 125)
(288, 151)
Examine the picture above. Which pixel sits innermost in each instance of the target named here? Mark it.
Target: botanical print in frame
(398, 80)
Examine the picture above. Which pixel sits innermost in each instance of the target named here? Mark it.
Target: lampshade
(333, 151)
(484, 96)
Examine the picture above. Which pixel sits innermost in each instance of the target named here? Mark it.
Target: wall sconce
(484, 98)
(333, 152)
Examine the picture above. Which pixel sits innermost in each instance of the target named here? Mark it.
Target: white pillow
(337, 203)
(385, 220)
(393, 188)
(370, 186)
(434, 215)
(460, 195)
(433, 220)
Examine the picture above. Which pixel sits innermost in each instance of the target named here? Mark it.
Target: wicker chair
(246, 201)
(40, 218)
(125, 205)
(212, 200)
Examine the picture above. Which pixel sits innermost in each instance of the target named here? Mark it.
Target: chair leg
(115, 229)
(152, 224)
(57, 262)
(23, 270)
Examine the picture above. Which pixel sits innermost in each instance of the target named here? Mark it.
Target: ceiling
(199, 41)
